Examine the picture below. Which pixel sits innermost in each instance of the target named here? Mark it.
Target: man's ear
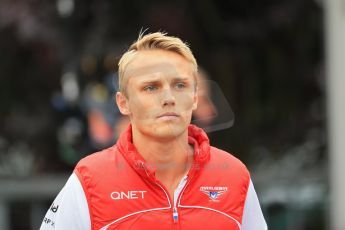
(122, 103)
(195, 100)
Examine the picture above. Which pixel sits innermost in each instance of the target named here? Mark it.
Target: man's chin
(167, 132)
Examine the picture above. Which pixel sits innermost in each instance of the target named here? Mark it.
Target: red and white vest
(123, 193)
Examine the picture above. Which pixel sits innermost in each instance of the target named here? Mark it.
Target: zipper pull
(175, 215)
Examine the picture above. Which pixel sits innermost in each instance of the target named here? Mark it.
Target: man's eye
(180, 85)
(150, 88)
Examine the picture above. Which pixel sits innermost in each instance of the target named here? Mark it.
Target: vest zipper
(175, 212)
(175, 215)
(172, 205)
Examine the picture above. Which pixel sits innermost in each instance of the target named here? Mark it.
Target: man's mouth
(168, 116)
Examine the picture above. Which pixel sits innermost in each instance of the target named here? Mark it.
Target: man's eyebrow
(156, 80)
(181, 78)
(153, 81)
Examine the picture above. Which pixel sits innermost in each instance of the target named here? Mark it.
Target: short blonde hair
(153, 41)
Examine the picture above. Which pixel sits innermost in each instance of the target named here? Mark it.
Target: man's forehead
(155, 70)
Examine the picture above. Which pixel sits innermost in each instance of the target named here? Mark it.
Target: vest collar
(196, 137)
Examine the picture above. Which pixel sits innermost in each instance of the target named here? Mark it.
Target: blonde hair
(153, 41)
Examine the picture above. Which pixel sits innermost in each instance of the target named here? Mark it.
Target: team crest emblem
(214, 192)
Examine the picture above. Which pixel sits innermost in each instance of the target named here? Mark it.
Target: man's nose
(168, 98)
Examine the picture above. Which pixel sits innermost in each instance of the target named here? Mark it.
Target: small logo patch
(214, 192)
(127, 195)
(54, 208)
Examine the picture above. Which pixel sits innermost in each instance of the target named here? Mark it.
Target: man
(162, 173)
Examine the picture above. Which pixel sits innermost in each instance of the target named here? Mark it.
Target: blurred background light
(70, 87)
(65, 7)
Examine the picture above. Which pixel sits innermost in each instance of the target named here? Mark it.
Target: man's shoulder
(220, 156)
(224, 155)
(99, 159)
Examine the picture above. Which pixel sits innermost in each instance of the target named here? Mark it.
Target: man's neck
(172, 158)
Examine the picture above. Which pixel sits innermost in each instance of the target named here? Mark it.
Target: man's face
(160, 92)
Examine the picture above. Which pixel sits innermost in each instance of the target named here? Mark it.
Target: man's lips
(168, 115)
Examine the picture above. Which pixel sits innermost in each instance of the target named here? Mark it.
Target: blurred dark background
(58, 67)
